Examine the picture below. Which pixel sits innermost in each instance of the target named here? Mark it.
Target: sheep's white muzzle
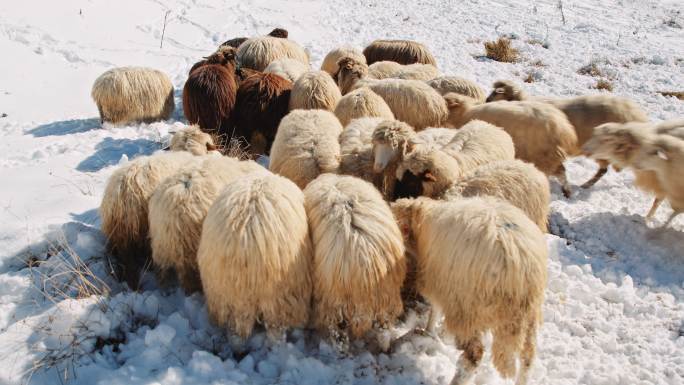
(383, 155)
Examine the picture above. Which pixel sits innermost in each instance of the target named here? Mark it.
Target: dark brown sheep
(209, 97)
(400, 51)
(262, 101)
(235, 42)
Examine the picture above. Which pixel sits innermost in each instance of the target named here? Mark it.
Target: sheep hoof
(567, 192)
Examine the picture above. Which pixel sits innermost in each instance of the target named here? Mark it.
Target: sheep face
(409, 185)
(458, 106)
(194, 141)
(615, 142)
(436, 170)
(350, 71)
(383, 154)
(504, 90)
(659, 154)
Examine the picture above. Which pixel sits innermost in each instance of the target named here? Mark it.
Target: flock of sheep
(387, 181)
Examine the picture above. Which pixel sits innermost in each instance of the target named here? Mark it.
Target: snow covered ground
(614, 306)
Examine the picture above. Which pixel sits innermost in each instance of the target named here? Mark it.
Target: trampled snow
(614, 306)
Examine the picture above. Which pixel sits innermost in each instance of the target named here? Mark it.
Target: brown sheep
(209, 97)
(400, 51)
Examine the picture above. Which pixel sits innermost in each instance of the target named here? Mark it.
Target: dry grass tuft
(591, 69)
(529, 78)
(677, 94)
(603, 84)
(501, 50)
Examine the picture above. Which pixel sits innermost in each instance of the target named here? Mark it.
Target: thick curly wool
(209, 98)
(289, 69)
(124, 207)
(329, 64)
(262, 101)
(400, 51)
(133, 94)
(458, 85)
(390, 69)
(513, 181)
(255, 256)
(361, 103)
(177, 210)
(495, 284)
(356, 149)
(306, 146)
(258, 52)
(359, 263)
(315, 90)
(193, 140)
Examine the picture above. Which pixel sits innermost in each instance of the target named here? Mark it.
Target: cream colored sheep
(390, 69)
(314, 90)
(458, 85)
(193, 140)
(133, 94)
(177, 210)
(360, 103)
(383, 69)
(306, 145)
(494, 284)
(476, 143)
(663, 154)
(583, 112)
(400, 51)
(255, 256)
(258, 52)
(329, 64)
(411, 101)
(513, 181)
(359, 262)
(290, 69)
(356, 150)
(541, 133)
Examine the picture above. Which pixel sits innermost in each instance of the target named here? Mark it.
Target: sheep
(663, 155)
(541, 133)
(390, 69)
(583, 112)
(360, 103)
(193, 140)
(356, 149)
(258, 52)
(306, 145)
(224, 56)
(177, 209)
(496, 283)
(459, 85)
(330, 65)
(411, 101)
(209, 97)
(619, 143)
(400, 51)
(237, 42)
(255, 256)
(359, 262)
(475, 144)
(315, 90)
(262, 101)
(133, 94)
(513, 181)
(289, 69)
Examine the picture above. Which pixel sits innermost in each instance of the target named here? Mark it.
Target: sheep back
(286, 68)
(458, 85)
(400, 51)
(360, 103)
(315, 90)
(411, 101)
(329, 64)
(209, 98)
(258, 52)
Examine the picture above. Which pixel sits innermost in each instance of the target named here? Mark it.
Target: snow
(614, 306)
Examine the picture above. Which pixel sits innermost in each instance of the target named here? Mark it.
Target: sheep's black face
(409, 186)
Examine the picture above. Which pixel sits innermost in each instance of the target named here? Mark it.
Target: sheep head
(617, 142)
(279, 32)
(391, 141)
(436, 169)
(193, 140)
(458, 106)
(505, 90)
(349, 72)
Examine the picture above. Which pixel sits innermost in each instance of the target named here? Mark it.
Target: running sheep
(177, 210)
(133, 94)
(315, 90)
(361, 103)
(359, 262)
(400, 51)
(306, 145)
(258, 52)
(541, 133)
(495, 284)
(255, 256)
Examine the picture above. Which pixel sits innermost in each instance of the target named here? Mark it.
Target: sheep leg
(275, 334)
(383, 337)
(339, 338)
(435, 316)
(563, 179)
(528, 352)
(507, 341)
(654, 207)
(189, 280)
(603, 169)
(473, 350)
(672, 216)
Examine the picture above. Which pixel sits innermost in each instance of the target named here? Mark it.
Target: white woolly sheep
(361, 103)
(541, 133)
(306, 145)
(315, 90)
(359, 264)
(411, 101)
(258, 52)
(286, 68)
(513, 181)
(664, 155)
(356, 150)
(583, 112)
(495, 284)
(133, 94)
(390, 69)
(329, 64)
(255, 256)
(193, 140)
(475, 144)
(458, 85)
(177, 210)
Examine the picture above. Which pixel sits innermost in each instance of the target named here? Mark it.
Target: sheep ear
(662, 155)
(428, 176)
(409, 147)
(452, 102)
